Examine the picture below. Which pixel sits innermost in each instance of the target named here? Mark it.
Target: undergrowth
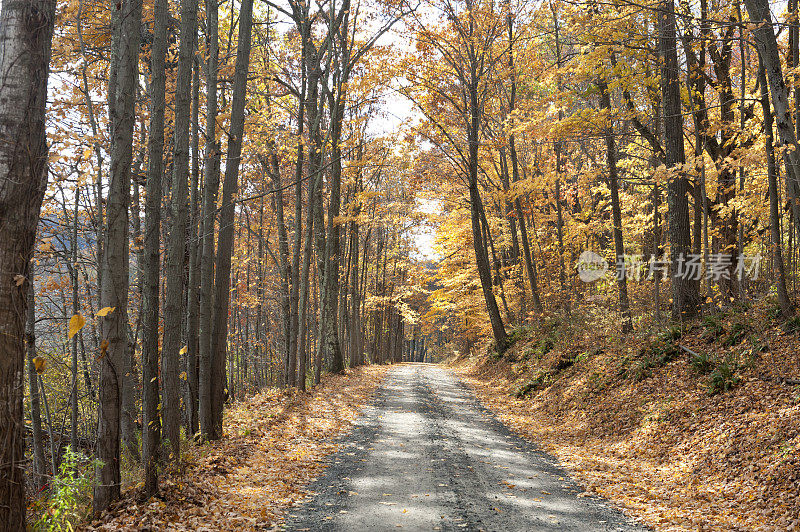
(70, 494)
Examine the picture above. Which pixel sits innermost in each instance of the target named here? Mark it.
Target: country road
(426, 456)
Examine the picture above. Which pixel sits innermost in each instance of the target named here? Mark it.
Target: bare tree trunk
(195, 251)
(39, 462)
(685, 294)
(114, 291)
(303, 320)
(356, 334)
(176, 247)
(210, 190)
(616, 213)
(272, 169)
(290, 356)
(527, 252)
(226, 231)
(73, 388)
(151, 430)
(767, 46)
(787, 308)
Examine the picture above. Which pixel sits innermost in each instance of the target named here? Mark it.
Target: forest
(215, 215)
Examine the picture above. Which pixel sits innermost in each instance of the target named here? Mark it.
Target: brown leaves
(662, 448)
(273, 446)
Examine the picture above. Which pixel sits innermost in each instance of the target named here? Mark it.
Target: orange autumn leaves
(273, 446)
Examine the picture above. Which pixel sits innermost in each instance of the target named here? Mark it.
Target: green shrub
(723, 378)
(518, 334)
(712, 328)
(660, 351)
(641, 370)
(737, 333)
(792, 325)
(702, 363)
(70, 494)
(670, 335)
(774, 312)
(654, 354)
(523, 389)
(545, 345)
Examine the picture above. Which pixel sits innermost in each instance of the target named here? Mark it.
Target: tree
(176, 247)
(467, 52)
(210, 190)
(151, 433)
(115, 359)
(222, 281)
(685, 293)
(26, 32)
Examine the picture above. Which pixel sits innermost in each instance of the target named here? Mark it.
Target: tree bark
(767, 46)
(210, 190)
(787, 308)
(226, 230)
(114, 291)
(616, 212)
(195, 252)
(685, 294)
(39, 462)
(151, 429)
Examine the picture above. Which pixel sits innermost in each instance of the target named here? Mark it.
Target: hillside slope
(697, 429)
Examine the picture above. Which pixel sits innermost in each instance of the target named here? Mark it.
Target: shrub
(518, 334)
(670, 335)
(523, 389)
(654, 354)
(702, 363)
(792, 325)
(70, 494)
(545, 345)
(737, 333)
(723, 378)
(712, 328)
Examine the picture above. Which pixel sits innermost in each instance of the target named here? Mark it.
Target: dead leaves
(76, 323)
(273, 447)
(662, 448)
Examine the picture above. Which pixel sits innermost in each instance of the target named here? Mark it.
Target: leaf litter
(273, 448)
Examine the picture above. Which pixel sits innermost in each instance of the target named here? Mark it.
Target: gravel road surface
(426, 456)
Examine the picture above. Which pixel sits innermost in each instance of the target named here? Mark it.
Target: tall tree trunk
(685, 294)
(527, 252)
(787, 308)
(356, 335)
(226, 230)
(616, 212)
(290, 356)
(271, 167)
(176, 249)
(210, 190)
(114, 291)
(73, 387)
(151, 429)
(479, 246)
(195, 252)
(767, 46)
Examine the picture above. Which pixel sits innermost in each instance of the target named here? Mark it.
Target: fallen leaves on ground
(662, 448)
(273, 447)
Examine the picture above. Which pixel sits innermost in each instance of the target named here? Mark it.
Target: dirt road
(427, 456)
